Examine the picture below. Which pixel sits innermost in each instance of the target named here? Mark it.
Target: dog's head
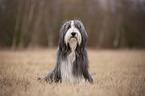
(72, 36)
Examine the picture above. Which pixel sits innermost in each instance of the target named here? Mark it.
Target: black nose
(73, 33)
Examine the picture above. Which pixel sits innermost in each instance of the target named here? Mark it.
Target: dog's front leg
(87, 76)
(49, 77)
(53, 76)
(86, 73)
(90, 79)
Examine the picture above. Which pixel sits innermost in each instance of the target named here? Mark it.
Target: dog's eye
(79, 26)
(67, 27)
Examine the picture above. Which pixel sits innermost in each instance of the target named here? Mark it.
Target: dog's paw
(91, 80)
(40, 79)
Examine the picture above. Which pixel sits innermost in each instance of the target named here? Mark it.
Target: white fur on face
(73, 44)
(77, 36)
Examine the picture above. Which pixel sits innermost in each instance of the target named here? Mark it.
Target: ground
(115, 73)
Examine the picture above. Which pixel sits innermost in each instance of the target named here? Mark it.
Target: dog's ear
(84, 36)
(62, 45)
(61, 37)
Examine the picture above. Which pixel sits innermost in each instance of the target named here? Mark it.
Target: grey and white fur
(71, 61)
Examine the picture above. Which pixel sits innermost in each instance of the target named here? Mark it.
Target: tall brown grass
(115, 73)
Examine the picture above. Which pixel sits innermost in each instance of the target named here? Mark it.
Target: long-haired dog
(71, 61)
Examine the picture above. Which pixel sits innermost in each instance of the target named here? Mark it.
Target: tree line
(36, 23)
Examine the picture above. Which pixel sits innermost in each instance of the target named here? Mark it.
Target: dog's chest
(67, 69)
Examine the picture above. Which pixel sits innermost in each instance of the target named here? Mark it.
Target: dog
(71, 60)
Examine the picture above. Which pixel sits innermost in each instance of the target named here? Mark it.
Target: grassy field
(115, 73)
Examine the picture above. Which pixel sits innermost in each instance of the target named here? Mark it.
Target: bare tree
(119, 21)
(52, 11)
(24, 28)
(104, 27)
(34, 38)
(17, 25)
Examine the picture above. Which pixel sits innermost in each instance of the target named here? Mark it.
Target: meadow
(115, 73)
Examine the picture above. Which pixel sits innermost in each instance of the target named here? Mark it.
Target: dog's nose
(73, 33)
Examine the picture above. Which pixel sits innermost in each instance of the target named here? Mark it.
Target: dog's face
(72, 34)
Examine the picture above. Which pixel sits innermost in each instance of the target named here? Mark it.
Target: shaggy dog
(71, 61)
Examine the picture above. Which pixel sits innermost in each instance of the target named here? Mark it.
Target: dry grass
(115, 73)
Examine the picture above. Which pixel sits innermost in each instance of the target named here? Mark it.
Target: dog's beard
(73, 43)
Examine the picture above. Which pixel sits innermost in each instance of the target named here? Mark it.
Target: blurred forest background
(36, 23)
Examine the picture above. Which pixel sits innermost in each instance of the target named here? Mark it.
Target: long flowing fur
(80, 63)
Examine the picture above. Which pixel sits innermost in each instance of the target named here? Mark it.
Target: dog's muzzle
(73, 36)
(73, 41)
